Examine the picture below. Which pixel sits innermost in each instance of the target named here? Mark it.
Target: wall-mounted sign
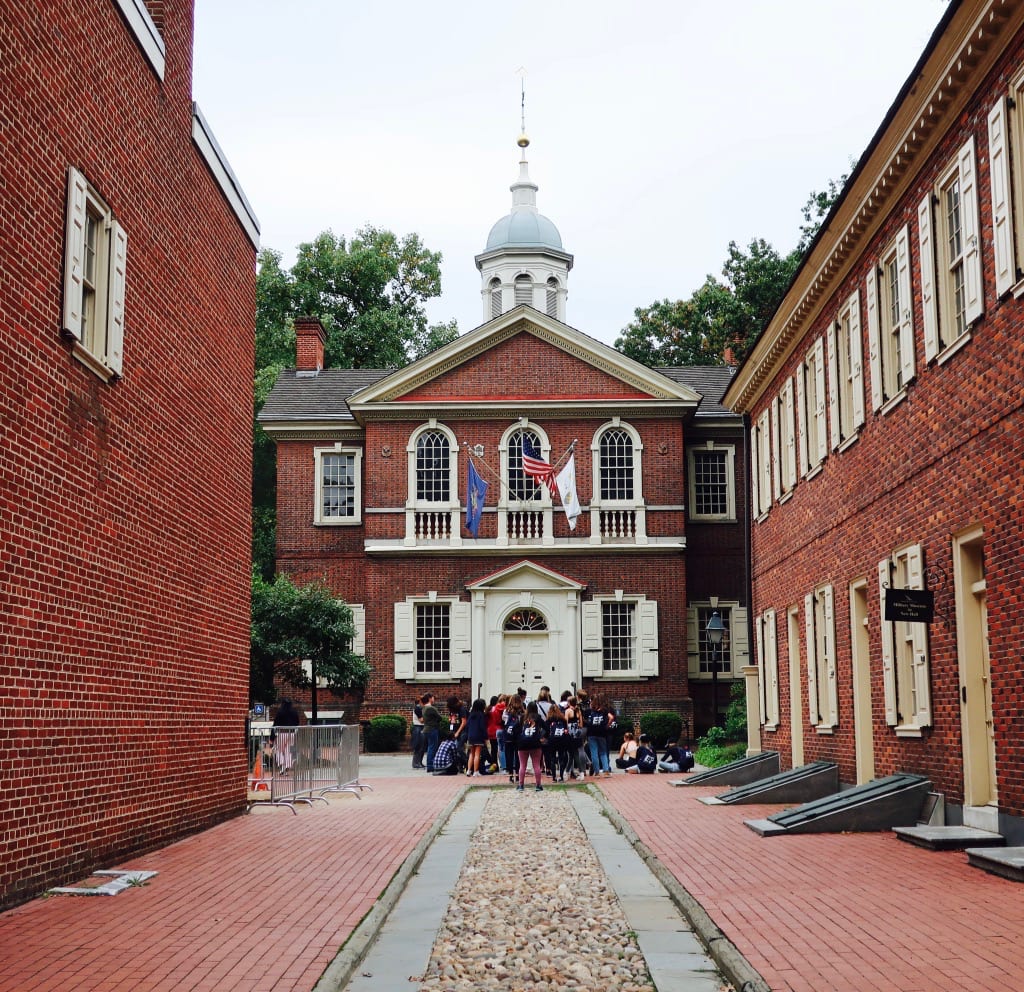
(910, 605)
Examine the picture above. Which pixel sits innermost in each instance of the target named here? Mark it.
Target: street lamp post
(715, 631)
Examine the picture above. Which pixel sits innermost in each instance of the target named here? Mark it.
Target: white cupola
(524, 261)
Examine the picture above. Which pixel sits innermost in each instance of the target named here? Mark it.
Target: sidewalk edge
(740, 972)
(339, 972)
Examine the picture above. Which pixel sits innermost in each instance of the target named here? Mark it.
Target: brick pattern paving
(843, 912)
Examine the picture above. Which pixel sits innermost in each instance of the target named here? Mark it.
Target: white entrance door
(526, 662)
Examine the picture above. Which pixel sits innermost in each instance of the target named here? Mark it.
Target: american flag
(534, 466)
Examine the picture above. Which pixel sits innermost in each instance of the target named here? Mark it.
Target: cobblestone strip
(532, 908)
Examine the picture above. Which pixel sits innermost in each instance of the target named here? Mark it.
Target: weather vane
(522, 100)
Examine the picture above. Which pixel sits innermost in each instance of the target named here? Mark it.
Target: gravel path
(532, 910)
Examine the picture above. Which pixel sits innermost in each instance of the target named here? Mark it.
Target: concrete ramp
(893, 801)
(738, 772)
(819, 778)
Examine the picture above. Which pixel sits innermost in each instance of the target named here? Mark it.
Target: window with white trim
(712, 482)
(432, 638)
(617, 510)
(890, 311)
(846, 374)
(810, 402)
(338, 490)
(905, 665)
(768, 668)
(95, 258)
(433, 467)
(432, 510)
(822, 681)
(1006, 170)
(951, 285)
(620, 636)
(703, 655)
(784, 440)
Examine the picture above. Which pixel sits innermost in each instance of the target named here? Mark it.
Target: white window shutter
(888, 665)
(1002, 208)
(812, 660)
(460, 651)
(874, 339)
(74, 254)
(755, 472)
(590, 617)
(772, 675)
(929, 303)
(790, 431)
(919, 632)
(776, 465)
(830, 670)
(819, 375)
(760, 647)
(907, 366)
(405, 641)
(115, 297)
(692, 643)
(833, 385)
(765, 449)
(974, 297)
(359, 622)
(804, 418)
(648, 641)
(856, 360)
(740, 638)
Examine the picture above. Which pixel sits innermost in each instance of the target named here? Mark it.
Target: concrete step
(1005, 861)
(938, 838)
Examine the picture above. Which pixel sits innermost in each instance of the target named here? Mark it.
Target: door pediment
(527, 576)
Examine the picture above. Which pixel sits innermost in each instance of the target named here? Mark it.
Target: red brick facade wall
(125, 507)
(944, 459)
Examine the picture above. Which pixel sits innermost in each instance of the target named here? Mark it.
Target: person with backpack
(578, 736)
(531, 737)
(477, 737)
(676, 759)
(646, 758)
(513, 716)
(560, 744)
(597, 738)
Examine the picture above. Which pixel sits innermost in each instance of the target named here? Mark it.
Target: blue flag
(476, 496)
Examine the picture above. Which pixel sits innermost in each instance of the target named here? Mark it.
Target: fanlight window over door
(526, 619)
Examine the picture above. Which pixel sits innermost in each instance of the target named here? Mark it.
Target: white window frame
(93, 315)
(820, 644)
(846, 374)
(890, 310)
(539, 509)
(810, 401)
(906, 669)
(320, 519)
(938, 270)
(459, 636)
(736, 638)
(729, 453)
(644, 633)
(768, 669)
(430, 521)
(613, 520)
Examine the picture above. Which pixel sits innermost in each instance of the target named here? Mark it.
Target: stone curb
(734, 966)
(339, 972)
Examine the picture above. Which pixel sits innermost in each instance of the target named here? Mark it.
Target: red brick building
(372, 496)
(125, 388)
(884, 399)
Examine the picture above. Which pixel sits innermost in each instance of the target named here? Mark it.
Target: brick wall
(125, 508)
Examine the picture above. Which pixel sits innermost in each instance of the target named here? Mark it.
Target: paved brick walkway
(263, 902)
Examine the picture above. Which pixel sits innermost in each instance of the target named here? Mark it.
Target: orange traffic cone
(257, 768)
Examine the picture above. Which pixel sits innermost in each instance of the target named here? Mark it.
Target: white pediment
(526, 575)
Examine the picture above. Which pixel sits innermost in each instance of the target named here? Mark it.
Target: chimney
(310, 338)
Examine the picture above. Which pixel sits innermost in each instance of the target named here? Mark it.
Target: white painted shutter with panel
(812, 653)
(359, 622)
(776, 466)
(790, 431)
(740, 638)
(460, 648)
(888, 661)
(590, 618)
(74, 254)
(974, 298)
(765, 449)
(831, 671)
(907, 365)
(648, 640)
(760, 647)
(803, 417)
(115, 297)
(928, 301)
(919, 633)
(833, 385)
(1002, 207)
(874, 339)
(819, 377)
(405, 641)
(755, 472)
(856, 360)
(692, 643)
(772, 654)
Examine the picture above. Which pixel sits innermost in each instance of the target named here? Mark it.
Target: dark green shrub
(384, 733)
(661, 726)
(736, 714)
(714, 750)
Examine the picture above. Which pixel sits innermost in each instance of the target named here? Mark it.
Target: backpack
(576, 731)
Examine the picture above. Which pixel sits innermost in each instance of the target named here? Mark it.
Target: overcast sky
(659, 131)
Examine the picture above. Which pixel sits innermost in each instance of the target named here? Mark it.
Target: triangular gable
(620, 376)
(526, 575)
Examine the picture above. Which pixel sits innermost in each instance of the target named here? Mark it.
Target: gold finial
(522, 141)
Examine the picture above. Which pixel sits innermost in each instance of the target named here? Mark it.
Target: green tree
(292, 623)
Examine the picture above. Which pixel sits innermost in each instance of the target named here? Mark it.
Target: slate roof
(303, 396)
(711, 381)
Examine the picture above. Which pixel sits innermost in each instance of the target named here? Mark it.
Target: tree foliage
(292, 623)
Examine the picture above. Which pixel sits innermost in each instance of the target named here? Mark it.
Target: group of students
(569, 735)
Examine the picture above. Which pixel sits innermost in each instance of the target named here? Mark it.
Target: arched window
(552, 297)
(616, 465)
(525, 619)
(524, 290)
(433, 453)
(520, 485)
(495, 289)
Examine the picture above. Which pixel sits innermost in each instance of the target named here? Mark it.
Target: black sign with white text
(909, 605)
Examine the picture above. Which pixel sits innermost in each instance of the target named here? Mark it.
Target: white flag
(566, 482)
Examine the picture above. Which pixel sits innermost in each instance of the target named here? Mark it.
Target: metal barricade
(303, 764)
